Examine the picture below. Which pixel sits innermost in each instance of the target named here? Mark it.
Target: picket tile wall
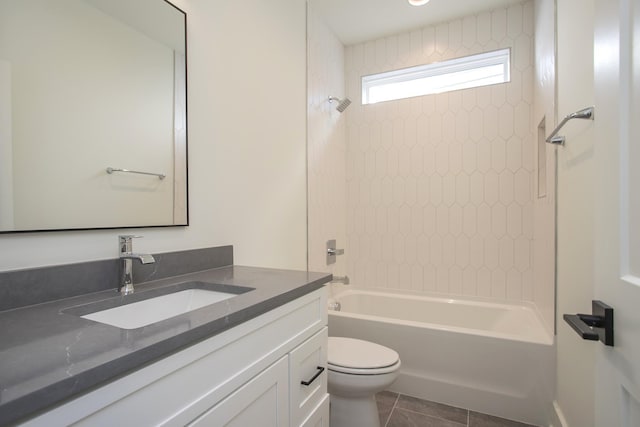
(439, 188)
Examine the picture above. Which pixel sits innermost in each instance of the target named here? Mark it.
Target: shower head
(342, 103)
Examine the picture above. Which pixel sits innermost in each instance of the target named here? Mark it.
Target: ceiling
(355, 21)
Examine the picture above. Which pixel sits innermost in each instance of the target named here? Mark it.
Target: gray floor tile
(433, 409)
(404, 418)
(397, 410)
(385, 400)
(477, 419)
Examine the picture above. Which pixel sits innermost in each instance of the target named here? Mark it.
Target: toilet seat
(354, 356)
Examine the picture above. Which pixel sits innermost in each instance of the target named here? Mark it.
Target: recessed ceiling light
(418, 2)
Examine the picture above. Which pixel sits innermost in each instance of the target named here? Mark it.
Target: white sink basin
(152, 310)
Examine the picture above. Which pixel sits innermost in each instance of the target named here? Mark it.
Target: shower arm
(585, 113)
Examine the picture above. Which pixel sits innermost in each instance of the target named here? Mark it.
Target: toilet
(357, 371)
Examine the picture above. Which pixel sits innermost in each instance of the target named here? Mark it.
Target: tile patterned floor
(398, 410)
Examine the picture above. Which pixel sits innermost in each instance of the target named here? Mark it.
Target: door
(617, 207)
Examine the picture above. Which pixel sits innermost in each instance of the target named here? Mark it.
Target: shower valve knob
(332, 252)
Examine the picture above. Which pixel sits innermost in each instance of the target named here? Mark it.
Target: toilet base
(354, 411)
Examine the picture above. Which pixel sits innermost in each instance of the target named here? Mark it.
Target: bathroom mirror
(87, 86)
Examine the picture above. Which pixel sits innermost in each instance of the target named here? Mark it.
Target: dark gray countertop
(48, 356)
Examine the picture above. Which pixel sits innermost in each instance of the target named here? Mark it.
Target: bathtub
(495, 358)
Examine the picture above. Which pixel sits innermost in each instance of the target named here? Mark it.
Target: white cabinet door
(320, 416)
(263, 401)
(308, 376)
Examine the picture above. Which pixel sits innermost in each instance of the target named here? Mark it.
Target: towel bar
(111, 170)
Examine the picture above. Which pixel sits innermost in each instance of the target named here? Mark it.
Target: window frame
(500, 57)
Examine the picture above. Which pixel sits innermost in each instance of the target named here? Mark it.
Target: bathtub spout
(340, 279)
(334, 305)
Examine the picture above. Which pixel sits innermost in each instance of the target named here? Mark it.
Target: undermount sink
(148, 307)
(143, 313)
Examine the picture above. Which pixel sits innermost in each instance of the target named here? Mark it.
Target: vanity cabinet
(249, 375)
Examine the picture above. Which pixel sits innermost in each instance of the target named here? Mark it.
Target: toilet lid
(359, 354)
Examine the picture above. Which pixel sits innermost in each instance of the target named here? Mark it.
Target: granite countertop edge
(273, 288)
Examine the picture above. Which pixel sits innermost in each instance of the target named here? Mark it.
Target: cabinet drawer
(260, 402)
(320, 415)
(308, 364)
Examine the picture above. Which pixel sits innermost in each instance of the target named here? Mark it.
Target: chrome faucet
(127, 256)
(340, 279)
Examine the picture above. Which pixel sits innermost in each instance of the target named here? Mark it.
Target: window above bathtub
(461, 73)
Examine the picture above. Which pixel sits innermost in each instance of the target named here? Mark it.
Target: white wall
(6, 148)
(327, 146)
(247, 131)
(544, 196)
(544, 178)
(575, 376)
(440, 188)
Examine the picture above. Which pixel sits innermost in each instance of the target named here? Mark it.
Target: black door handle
(595, 326)
(582, 328)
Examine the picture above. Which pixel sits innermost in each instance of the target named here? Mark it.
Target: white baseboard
(558, 419)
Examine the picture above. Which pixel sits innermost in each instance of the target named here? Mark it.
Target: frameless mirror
(87, 86)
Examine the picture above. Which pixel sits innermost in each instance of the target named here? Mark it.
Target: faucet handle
(124, 242)
(126, 238)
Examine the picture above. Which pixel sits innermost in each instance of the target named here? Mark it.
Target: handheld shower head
(342, 103)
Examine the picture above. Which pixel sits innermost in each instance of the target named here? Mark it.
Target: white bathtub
(489, 357)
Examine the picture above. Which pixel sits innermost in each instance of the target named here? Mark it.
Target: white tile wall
(439, 189)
